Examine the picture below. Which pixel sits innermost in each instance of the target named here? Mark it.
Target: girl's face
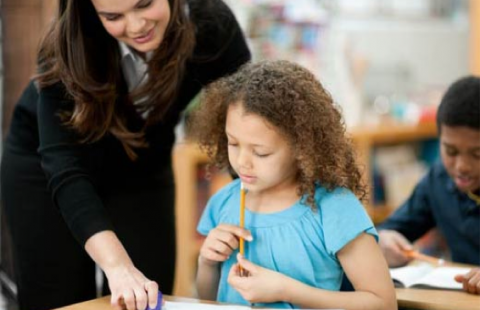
(261, 157)
(460, 150)
(141, 24)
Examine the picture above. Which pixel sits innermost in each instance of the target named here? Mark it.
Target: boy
(448, 197)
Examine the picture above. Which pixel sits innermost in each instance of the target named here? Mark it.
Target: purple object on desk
(159, 302)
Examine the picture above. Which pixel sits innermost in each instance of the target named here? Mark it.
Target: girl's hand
(470, 280)
(131, 289)
(261, 284)
(221, 242)
(394, 246)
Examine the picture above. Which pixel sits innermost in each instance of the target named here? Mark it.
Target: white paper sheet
(175, 305)
(172, 305)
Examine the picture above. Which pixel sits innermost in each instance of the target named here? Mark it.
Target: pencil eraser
(159, 302)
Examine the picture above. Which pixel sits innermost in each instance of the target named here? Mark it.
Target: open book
(428, 276)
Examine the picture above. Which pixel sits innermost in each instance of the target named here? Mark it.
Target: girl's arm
(363, 263)
(217, 248)
(208, 277)
(365, 267)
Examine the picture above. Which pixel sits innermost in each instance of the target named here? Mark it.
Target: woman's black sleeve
(221, 45)
(69, 167)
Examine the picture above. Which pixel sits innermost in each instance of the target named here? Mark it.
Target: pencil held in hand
(242, 222)
(429, 259)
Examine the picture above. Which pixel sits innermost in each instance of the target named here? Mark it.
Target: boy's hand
(394, 245)
(261, 284)
(470, 280)
(221, 242)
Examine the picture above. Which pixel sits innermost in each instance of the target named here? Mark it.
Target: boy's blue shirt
(299, 242)
(436, 202)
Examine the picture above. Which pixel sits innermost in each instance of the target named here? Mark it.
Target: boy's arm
(208, 277)
(366, 268)
(394, 247)
(414, 218)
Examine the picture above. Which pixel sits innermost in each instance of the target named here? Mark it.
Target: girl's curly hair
(289, 97)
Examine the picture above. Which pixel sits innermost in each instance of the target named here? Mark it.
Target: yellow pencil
(242, 221)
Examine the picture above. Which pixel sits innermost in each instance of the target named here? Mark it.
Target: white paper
(173, 305)
(427, 275)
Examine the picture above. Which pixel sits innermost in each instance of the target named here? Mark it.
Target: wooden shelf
(394, 133)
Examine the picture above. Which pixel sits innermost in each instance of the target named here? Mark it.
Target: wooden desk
(409, 298)
(436, 299)
(103, 303)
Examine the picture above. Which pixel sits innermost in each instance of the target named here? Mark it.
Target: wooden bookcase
(188, 157)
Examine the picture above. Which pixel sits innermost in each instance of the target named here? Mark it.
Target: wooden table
(436, 299)
(103, 303)
(410, 298)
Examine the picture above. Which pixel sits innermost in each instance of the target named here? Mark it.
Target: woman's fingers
(117, 302)
(129, 300)
(140, 298)
(151, 287)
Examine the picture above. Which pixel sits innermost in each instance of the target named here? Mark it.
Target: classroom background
(385, 62)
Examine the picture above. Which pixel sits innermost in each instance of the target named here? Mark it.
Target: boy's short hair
(460, 106)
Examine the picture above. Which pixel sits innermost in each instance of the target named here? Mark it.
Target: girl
(279, 130)
(86, 170)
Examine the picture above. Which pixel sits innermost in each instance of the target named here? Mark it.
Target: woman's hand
(221, 242)
(470, 280)
(261, 284)
(394, 245)
(130, 288)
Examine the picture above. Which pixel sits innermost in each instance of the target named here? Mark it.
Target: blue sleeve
(414, 218)
(208, 220)
(344, 219)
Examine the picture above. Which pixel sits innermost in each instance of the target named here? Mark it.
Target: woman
(86, 171)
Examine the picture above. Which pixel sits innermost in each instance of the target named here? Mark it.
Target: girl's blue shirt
(299, 241)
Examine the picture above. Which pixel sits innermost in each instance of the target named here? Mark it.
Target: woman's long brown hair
(78, 52)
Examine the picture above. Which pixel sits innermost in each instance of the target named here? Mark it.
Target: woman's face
(141, 24)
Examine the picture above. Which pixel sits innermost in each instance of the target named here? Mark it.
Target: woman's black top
(75, 172)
